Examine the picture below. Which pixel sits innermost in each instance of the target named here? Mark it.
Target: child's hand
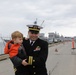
(24, 62)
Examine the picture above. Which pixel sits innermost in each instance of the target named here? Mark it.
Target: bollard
(73, 43)
(56, 50)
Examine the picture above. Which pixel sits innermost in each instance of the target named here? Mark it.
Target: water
(2, 45)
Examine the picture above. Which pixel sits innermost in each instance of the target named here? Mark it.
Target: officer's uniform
(37, 53)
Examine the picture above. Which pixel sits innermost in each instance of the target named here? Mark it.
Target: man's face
(33, 36)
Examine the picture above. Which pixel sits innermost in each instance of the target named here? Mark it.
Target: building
(54, 37)
(42, 36)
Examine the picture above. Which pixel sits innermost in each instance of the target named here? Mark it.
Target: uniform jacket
(39, 52)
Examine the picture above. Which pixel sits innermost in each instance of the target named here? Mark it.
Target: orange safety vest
(13, 50)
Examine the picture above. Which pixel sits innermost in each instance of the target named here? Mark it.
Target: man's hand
(24, 62)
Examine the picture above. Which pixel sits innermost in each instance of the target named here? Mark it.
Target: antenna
(35, 21)
(42, 23)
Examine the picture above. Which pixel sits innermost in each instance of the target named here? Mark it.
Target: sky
(59, 16)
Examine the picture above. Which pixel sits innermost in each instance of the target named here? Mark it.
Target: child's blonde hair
(16, 34)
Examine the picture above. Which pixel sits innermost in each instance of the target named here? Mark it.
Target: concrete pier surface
(61, 61)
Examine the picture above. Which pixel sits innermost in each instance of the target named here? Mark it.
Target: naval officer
(37, 51)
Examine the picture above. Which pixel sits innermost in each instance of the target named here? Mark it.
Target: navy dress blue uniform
(37, 54)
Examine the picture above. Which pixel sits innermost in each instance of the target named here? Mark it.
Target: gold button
(34, 72)
(33, 66)
(33, 60)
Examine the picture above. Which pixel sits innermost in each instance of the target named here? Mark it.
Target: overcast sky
(59, 16)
